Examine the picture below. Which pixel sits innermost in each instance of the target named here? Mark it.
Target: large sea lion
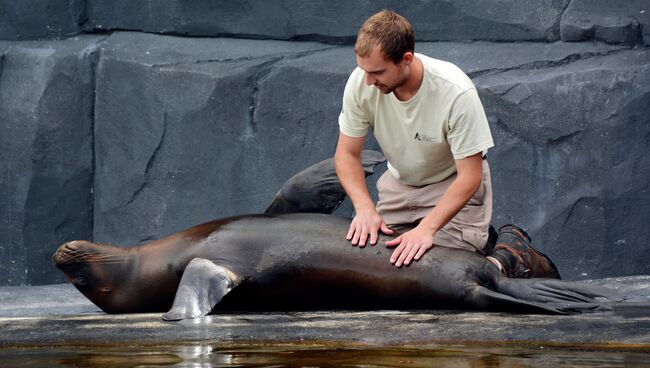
(299, 261)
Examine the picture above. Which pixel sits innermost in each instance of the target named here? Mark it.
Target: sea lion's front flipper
(202, 286)
(549, 295)
(317, 189)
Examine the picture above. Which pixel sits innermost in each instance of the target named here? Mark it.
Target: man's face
(381, 72)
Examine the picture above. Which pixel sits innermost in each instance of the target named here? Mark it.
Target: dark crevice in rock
(61, 226)
(251, 128)
(244, 36)
(486, 40)
(146, 239)
(150, 16)
(554, 32)
(147, 171)
(245, 58)
(508, 130)
(154, 154)
(297, 55)
(314, 37)
(507, 90)
(536, 65)
(574, 208)
(568, 4)
(321, 38)
(2, 63)
(287, 10)
(204, 61)
(564, 138)
(82, 13)
(551, 36)
(94, 62)
(263, 70)
(311, 37)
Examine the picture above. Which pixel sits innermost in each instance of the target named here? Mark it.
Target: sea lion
(298, 261)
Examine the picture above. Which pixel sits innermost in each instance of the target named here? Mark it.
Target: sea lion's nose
(63, 255)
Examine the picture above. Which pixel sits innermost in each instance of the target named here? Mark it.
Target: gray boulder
(571, 157)
(617, 22)
(40, 19)
(184, 131)
(46, 108)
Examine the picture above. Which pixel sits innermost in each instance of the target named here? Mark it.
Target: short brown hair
(391, 31)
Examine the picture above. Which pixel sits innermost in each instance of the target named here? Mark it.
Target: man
(431, 126)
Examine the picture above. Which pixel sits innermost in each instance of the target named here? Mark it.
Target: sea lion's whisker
(106, 262)
(72, 257)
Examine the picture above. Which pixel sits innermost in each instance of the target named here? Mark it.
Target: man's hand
(411, 245)
(366, 223)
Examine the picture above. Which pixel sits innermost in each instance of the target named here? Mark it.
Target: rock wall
(120, 125)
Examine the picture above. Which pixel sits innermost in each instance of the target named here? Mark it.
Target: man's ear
(408, 57)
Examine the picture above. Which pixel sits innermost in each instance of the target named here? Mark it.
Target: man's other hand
(366, 225)
(410, 246)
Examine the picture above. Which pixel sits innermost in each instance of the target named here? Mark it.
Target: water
(322, 355)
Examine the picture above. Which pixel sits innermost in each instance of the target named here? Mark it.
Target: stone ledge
(55, 315)
(333, 22)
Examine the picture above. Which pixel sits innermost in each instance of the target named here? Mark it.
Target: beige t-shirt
(423, 136)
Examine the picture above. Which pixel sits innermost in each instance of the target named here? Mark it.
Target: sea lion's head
(96, 270)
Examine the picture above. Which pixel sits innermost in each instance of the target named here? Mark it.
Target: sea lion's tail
(317, 189)
(550, 295)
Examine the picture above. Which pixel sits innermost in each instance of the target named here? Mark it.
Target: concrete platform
(60, 315)
(55, 326)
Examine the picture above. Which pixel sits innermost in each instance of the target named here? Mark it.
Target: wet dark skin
(403, 79)
(272, 267)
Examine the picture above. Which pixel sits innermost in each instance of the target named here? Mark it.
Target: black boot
(518, 257)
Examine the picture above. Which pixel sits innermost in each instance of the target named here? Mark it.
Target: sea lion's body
(296, 261)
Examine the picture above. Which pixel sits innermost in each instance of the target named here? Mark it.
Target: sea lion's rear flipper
(202, 286)
(549, 295)
(317, 189)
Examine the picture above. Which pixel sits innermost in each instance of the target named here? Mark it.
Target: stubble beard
(390, 89)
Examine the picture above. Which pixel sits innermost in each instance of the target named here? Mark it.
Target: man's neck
(413, 82)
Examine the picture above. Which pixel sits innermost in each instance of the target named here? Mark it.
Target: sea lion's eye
(80, 280)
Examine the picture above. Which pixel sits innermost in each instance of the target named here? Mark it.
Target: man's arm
(414, 243)
(367, 221)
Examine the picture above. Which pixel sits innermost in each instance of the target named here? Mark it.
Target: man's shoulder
(446, 72)
(356, 85)
(356, 76)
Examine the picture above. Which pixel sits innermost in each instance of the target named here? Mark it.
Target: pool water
(320, 355)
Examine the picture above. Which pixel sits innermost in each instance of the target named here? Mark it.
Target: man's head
(384, 49)
(391, 31)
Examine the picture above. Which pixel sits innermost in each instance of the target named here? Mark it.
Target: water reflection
(319, 355)
(100, 360)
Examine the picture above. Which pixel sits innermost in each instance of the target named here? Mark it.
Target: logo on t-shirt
(423, 138)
